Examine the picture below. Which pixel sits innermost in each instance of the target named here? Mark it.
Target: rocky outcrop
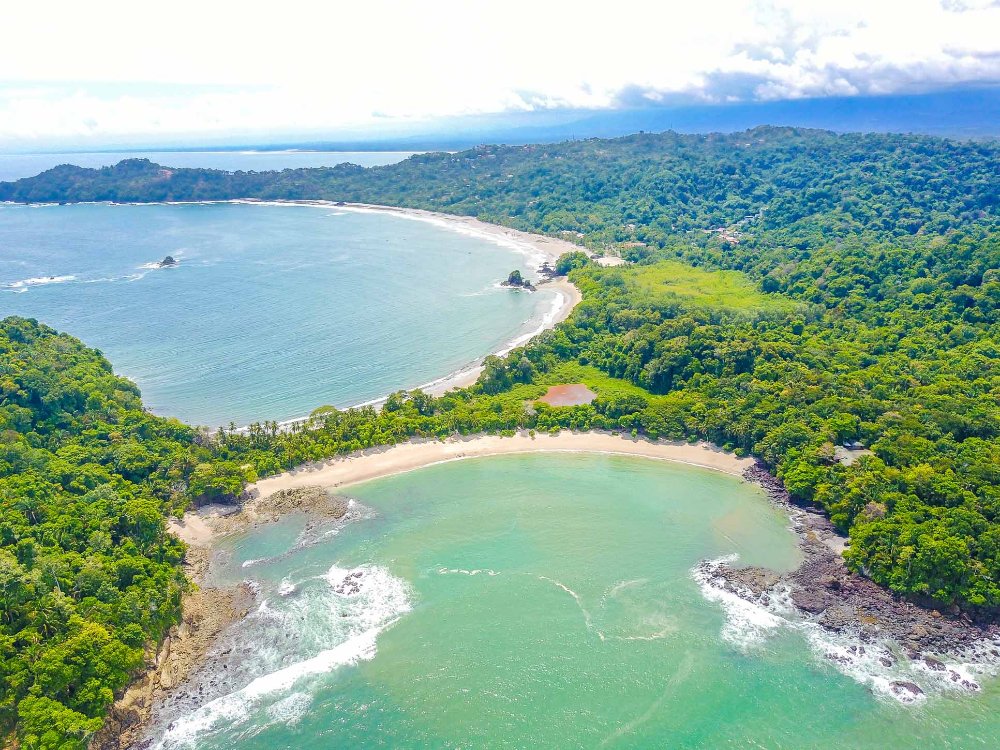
(824, 590)
(517, 281)
(316, 501)
(206, 613)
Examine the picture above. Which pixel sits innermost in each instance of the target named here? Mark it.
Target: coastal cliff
(206, 612)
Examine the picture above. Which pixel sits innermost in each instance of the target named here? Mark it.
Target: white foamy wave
(291, 709)
(889, 673)
(555, 308)
(24, 284)
(462, 571)
(251, 562)
(885, 673)
(880, 665)
(286, 588)
(156, 265)
(748, 623)
(535, 257)
(236, 707)
(359, 604)
(379, 595)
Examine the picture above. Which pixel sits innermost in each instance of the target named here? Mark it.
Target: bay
(544, 600)
(272, 310)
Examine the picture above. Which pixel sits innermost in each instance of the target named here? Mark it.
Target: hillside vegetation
(88, 574)
(789, 291)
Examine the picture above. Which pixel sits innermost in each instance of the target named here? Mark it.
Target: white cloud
(211, 67)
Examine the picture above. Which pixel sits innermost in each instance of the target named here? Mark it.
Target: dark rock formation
(826, 592)
(517, 281)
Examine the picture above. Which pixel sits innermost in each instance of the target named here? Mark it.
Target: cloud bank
(113, 70)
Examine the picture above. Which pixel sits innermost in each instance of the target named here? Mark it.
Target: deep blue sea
(16, 166)
(272, 310)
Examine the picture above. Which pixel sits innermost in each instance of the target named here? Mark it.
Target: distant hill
(659, 184)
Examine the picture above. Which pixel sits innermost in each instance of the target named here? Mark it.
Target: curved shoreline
(375, 463)
(197, 528)
(275, 496)
(536, 247)
(886, 644)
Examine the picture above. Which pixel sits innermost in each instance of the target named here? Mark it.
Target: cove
(272, 310)
(543, 600)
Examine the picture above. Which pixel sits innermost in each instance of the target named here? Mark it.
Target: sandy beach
(537, 248)
(375, 463)
(199, 528)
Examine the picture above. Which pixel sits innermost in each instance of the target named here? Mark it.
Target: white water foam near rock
(880, 665)
(23, 285)
(257, 671)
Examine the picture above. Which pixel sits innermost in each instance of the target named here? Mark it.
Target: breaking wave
(880, 665)
(336, 618)
(24, 284)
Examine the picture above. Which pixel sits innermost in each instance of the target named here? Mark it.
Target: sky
(109, 72)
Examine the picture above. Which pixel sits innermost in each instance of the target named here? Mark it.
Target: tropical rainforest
(788, 291)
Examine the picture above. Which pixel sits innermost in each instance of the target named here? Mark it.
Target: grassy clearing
(600, 382)
(673, 281)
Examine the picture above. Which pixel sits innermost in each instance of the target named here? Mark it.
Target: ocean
(271, 310)
(544, 600)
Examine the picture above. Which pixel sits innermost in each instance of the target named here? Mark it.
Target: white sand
(199, 528)
(191, 529)
(538, 248)
(549, 248)
(569, 297)
(381, 462)
(537, 245)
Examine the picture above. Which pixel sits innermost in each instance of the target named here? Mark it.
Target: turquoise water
(536, 601)
(16, 166)
(272, 311)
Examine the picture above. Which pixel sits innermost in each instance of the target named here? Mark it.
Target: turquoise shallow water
(535, 601)
(273, 310)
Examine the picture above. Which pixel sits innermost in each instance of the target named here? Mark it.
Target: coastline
(568, 297)
(375, 463)
(538, 249)
(205, 615)
(200, 529)
(209, 611)
(899, 650)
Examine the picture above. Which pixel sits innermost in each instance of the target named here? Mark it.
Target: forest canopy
(789, 292)
(88, 573)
